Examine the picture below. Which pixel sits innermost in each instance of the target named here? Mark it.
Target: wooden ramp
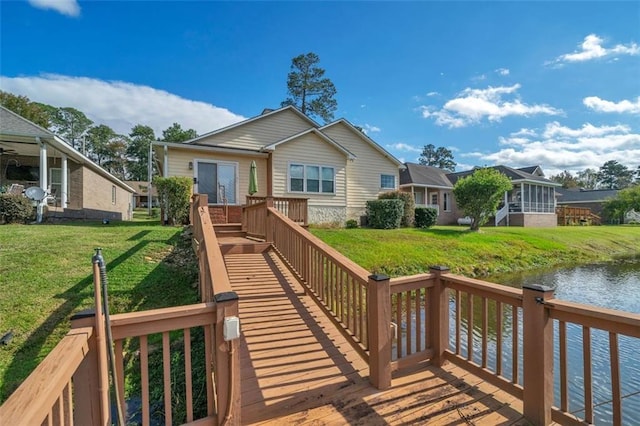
(298, 369)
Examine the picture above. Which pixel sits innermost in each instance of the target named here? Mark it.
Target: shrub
(351, 223)
(408, 202)
(15, 208)
(174, 193)
(425, 217)
(385, 214)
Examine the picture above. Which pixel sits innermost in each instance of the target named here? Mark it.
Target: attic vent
(266, 111)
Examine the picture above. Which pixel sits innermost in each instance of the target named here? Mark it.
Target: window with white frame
(218, 180)
(113, 194)
(387, 182)
(312, 178)
(55, 180)
(446, 202)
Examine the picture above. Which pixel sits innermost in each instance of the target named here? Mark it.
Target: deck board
(298, 369)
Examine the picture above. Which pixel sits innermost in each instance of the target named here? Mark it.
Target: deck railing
(576, 216)
(338, 285)
(295, 209)
(49, 394)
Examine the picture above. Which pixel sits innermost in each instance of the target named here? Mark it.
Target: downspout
(166, 174)
(150, 179)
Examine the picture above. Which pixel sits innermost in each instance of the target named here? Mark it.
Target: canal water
(614, 286)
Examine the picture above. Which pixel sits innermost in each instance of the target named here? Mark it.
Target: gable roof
(315, 131)
(365, 138)
(516, 175)
(419, 175)
(265, 113)
(16, 129)
(585, 196)
(532, 170)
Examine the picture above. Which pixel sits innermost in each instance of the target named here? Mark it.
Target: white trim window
(311, 178)
(113, 194)
(387, 182)
(55, 182)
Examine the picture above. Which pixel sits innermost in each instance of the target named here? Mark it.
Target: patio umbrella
(253, 179)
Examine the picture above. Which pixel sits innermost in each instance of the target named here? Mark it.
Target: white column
(64, 183)
(43, 165)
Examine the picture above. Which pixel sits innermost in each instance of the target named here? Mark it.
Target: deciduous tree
(22, 106)
(626, 200)
(309, 90)
(588, 179)
(479, 194)
(175, 133)
(439, 157)
(138, 152)
(566, 179)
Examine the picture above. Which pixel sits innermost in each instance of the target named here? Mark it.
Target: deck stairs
(297, 368)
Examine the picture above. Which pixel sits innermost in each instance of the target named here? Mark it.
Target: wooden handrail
(590, 316)
(33, 401)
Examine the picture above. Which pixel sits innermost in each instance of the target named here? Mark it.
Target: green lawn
(490, 251)
(46, 276)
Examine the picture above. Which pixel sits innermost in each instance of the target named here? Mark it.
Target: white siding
(261, 132)
(363, 174)
(179, 166)
(310, 149)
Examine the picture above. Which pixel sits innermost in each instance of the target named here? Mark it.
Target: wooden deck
(297, 368)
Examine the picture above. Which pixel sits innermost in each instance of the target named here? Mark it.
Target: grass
(479, 254)
(46, 276)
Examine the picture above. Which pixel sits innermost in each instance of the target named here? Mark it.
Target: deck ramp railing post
(227, 360)
(269, 219)
(379, 323)
(439, 311)
(91, 379)
(538, 354)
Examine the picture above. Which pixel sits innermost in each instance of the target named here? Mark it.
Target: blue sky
(515, 83)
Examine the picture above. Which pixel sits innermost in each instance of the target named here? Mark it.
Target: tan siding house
(335, 167)
(372, 171)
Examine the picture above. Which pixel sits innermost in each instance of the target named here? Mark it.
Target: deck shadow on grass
(26, 358)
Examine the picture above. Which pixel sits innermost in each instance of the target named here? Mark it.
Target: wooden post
(379, 325)
(538, 354)
(268, 230)
(227, 362)
(438, 306)
(90, 381)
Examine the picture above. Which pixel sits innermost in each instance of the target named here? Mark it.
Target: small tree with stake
(479, 194)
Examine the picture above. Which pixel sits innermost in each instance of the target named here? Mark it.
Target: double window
(312, 178)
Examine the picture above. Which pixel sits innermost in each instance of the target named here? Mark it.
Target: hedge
(385, 214)
(426, 217)
(15, 209)
(175, 194)
(409, 204)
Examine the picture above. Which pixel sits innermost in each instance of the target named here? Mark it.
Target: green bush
(351, 223)
(174, 193)
(385, 214)
(15, 209)
(408, 202)
(426, 217)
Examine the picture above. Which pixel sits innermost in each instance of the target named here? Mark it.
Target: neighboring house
(335, 166)
(590, 199)
(80, 189)
(530, 203)
(141, 194)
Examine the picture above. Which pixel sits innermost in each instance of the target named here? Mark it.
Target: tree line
(125, 156)
(611, 175)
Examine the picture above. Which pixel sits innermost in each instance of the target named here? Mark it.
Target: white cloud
(602, 105)
(473, 105)
(373, 129)
(431, 94)
(592, 48)
(503, 71)
(559, 148)
(399, 146)
(121, 105)
(65, 7)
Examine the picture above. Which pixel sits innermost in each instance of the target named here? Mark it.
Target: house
(79, 188)
(530, 203)
(336, 167)
(592, 199)
(141, 194)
